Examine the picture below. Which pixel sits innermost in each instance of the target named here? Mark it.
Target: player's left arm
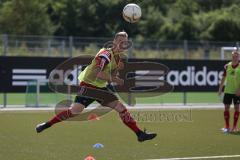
(238, 84)
(238, 93)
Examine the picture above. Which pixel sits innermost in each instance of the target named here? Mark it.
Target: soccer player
(93, 81)
(231, 78)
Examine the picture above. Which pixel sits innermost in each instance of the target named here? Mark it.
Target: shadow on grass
(235, 133)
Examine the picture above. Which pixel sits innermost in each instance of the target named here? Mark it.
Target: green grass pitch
(196, 134)
(173, 97)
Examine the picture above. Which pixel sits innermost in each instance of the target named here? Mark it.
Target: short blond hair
(235, 52)
(123, 33)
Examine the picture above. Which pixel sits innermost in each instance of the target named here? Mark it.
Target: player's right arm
(101, 62)
(222, 81)
(101, 75)
(221, 85)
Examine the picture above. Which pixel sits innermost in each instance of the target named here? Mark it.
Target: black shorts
(229, 98)
(87, 95)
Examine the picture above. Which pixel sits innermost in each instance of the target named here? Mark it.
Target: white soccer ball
(132, 13)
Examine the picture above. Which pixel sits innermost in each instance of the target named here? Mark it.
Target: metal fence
(56, 46)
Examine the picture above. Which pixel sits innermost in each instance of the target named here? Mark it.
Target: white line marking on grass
(207, 157)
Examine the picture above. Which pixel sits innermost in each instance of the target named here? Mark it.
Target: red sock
(129, 121)
(236, 115)
(61, 116)
(226, 117)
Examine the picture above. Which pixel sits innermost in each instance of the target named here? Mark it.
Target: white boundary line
(206, 157)
(138, 107)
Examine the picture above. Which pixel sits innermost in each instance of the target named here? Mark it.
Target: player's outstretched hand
(119, 81)
(120, 66)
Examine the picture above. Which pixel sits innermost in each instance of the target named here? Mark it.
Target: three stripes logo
(21, 77)
(147, 78)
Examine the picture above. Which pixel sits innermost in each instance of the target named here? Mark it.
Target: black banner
(184, 75)
(193, 75)
(16, 72)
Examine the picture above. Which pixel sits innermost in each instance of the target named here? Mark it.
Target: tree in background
(179, 24)
(24, 17)
(86, 17)
(162, 20)
(220, 25)
(104, 17)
